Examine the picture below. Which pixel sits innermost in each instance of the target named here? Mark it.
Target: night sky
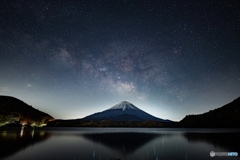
(71, 58)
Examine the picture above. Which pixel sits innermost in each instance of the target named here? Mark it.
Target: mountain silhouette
(15, 111)
(124, 111)
(225, 116)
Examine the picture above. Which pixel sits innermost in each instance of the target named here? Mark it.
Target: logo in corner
(212, 153)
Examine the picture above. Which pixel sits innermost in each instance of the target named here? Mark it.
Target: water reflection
(124, 143)
(228, 141)
(130, 145)
(13, 141)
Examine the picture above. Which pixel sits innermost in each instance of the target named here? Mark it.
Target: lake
(119, 144)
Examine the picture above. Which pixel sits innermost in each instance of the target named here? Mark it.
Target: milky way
(73, 58)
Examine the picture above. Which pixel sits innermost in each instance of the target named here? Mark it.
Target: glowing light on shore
(21, 132)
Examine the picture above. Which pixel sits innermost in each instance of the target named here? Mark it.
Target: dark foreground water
(118, 143)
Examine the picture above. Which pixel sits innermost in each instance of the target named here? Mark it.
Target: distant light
(22, 130)
(24, 123)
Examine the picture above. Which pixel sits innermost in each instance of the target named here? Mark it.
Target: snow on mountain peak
(123, 111)
(124, 105)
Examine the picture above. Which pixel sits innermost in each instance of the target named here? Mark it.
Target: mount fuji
(124, 111)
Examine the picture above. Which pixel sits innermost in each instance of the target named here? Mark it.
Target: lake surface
(118, 143)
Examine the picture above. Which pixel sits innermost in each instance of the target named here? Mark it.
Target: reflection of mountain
(14, 141)
(125, 143)
(229, 141)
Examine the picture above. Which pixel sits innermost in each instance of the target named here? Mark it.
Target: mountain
(15, 111)
(225, 116)
(123, 111)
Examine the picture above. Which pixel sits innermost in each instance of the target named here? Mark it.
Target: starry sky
(72, 58)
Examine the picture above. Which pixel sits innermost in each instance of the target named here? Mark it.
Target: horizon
(124, 101)
(74, 58)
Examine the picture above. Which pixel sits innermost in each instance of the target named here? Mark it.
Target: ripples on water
(117, 143)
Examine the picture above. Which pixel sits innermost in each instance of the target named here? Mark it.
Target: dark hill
(225, 116)
(15, 111)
